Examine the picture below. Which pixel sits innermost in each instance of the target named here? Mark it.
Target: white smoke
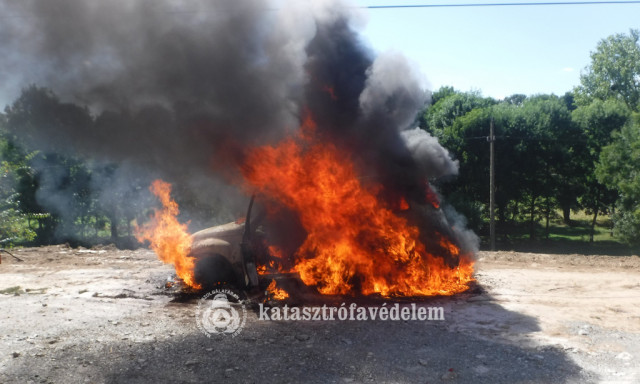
(396, 88)
(433, 159)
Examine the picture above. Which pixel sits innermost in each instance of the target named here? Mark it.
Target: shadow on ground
(474, 344)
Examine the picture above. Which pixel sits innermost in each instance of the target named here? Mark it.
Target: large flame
(168, 237)
(355, 243)
(276, 293)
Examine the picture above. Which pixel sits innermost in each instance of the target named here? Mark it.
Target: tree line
(576, 151)
(579, 151)
(48, 196)
(52, 192)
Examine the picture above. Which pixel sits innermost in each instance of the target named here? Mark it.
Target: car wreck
(237, 253)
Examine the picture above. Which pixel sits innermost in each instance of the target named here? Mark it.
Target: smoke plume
(180, 89)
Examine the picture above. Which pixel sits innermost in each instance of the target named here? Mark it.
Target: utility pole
(492, 189)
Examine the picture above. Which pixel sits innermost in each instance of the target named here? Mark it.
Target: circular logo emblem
(219, 315)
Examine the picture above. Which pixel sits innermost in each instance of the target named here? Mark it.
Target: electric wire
(409, 6)
(459, 5)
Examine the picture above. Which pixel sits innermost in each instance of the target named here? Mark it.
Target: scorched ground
(101, 315)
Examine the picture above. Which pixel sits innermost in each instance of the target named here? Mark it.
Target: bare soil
(104, 315)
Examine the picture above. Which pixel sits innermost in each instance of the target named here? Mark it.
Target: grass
(580, 229)
(563, 238)
(12, 290)
(17, 290)
(36, 291)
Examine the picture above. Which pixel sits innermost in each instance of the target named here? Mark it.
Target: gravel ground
(104, 315)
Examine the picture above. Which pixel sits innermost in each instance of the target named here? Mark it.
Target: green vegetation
(17, 290)
(567, 167)
(13, 228)
(49, 198)
(579, 152)
(559, 237)
(614, 74)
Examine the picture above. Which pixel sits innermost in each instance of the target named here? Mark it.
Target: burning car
(238, 253)
(346, 113)
(226, 254)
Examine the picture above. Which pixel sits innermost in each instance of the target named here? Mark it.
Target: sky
(499, 51)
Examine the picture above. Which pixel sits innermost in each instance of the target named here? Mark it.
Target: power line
(549, 3)
(400, 6)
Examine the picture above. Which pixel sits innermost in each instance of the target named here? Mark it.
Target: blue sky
(498, 50)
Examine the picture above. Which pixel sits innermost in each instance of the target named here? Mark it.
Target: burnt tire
(213, 271)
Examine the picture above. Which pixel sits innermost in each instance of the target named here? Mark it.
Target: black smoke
(181, 89)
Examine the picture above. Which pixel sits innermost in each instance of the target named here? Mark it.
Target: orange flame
(404, 205)
(331, 91)
(274, 261)
(355, 243)
(275, 251)
(276, 293)
(432, 198)
(168, 237)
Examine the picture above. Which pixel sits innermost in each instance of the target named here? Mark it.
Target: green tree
(442, 93)
(13, 223)
(569, 99)
(52, 188)
(466, 140)
(72, 197)
(597, 121)
(619, 169)
(614, 72)
(538, 134)
(533, 157)
(448, 106)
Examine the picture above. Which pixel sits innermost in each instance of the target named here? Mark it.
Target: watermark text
(351, 312)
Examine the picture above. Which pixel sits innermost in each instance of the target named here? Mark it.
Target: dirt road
(103, 315)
